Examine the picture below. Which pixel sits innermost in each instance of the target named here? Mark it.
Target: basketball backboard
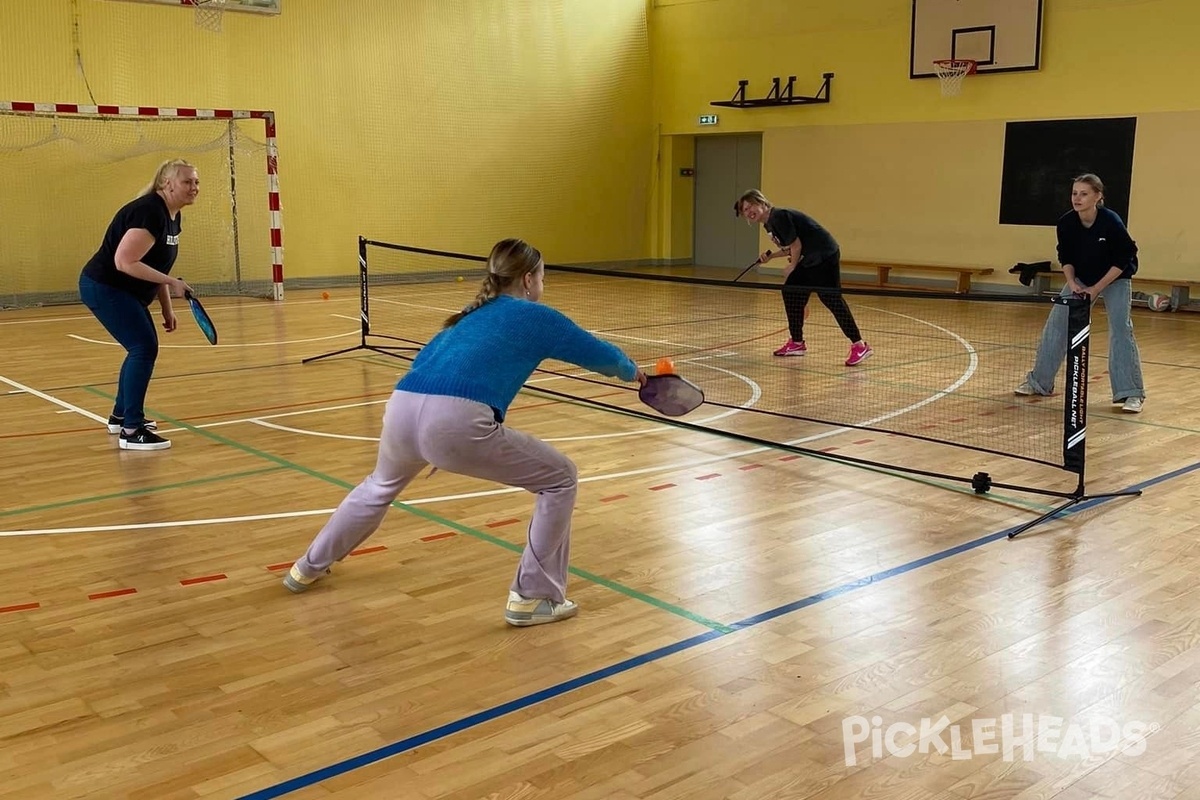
(1000, 35)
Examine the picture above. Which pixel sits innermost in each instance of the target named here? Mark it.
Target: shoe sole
(294, 587)
(786, 355)
(124, 445)
(525, 620)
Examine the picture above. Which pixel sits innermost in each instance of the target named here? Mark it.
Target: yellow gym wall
(439, 123)
(899, 172)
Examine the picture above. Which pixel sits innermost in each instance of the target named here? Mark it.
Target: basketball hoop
(951, 72)
(208, 14)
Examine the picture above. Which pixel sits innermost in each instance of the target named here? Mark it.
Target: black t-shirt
(148, 212)
(786, 225)
(1094, 251)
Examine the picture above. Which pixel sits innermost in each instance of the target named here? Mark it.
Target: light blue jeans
(1124, 362)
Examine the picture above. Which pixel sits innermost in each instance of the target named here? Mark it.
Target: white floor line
(54, 400)
(213, 347)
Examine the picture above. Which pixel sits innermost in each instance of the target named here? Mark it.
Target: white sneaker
(1024, 390)
(1133, 405)
(296, 581)
(525, 611)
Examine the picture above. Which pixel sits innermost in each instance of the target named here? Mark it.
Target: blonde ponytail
(510, 261)
(488, 290)
(166, 171)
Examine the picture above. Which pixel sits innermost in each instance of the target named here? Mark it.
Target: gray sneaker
(1024, 390)
(1133, 405)
(525, 611)
(297, 582)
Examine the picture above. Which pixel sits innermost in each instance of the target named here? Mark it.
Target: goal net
(65, 175)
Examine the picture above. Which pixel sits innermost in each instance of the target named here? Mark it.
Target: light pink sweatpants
(460, 436)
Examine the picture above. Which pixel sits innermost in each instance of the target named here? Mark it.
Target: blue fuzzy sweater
(492, 351)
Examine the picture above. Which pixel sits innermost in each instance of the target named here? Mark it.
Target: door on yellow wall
(726, 166)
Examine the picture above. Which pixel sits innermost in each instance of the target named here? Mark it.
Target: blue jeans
(130, 323)
(1124, 362)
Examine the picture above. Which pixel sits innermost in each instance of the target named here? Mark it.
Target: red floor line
(365, 550)
(22, 607)
(750, 466)
(281, 565)
(709, 476)
(45, 433)
(204, 579)
(789, 458)
(113, 593)
(614, 497)
(662, 486)
(502, 523)
(437, 536)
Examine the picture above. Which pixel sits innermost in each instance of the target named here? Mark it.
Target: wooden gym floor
(738, 604)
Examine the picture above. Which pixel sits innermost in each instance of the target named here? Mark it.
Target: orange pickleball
(665, 366)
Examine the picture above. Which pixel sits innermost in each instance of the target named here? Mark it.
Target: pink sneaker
(792, 349)
(858, 353)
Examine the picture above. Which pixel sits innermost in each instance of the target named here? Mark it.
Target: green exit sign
(708, 119)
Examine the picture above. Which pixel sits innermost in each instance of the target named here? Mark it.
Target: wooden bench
(1180, 289)
(884, 269)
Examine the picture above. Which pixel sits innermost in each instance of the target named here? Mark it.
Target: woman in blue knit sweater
(1098, 258)
(448, 411)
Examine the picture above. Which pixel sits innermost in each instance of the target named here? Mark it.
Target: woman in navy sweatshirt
(1098, 258)
(448, 411)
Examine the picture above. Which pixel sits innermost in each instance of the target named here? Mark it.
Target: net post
(1079, 326)
(268, 118)
(364, 308)
(231, 132)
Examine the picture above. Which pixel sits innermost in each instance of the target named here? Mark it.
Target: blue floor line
(519, 703)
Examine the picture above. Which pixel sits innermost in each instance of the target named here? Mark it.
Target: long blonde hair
(166, 171)
(510, 261)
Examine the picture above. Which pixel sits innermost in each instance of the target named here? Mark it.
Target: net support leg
(364, 316)
(1079, 325)
(1074, 501)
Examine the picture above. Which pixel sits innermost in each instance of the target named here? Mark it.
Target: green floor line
(426, 515)
(134, 492)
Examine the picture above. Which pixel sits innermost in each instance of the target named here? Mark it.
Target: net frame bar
(1074, 419)
(75, 110)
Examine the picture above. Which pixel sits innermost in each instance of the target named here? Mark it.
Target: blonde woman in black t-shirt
(130, 270)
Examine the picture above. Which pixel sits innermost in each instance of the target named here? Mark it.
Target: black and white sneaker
(143, 439)
(114, 425)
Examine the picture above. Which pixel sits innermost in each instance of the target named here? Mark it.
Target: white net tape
(951, 73)
(209, 13)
